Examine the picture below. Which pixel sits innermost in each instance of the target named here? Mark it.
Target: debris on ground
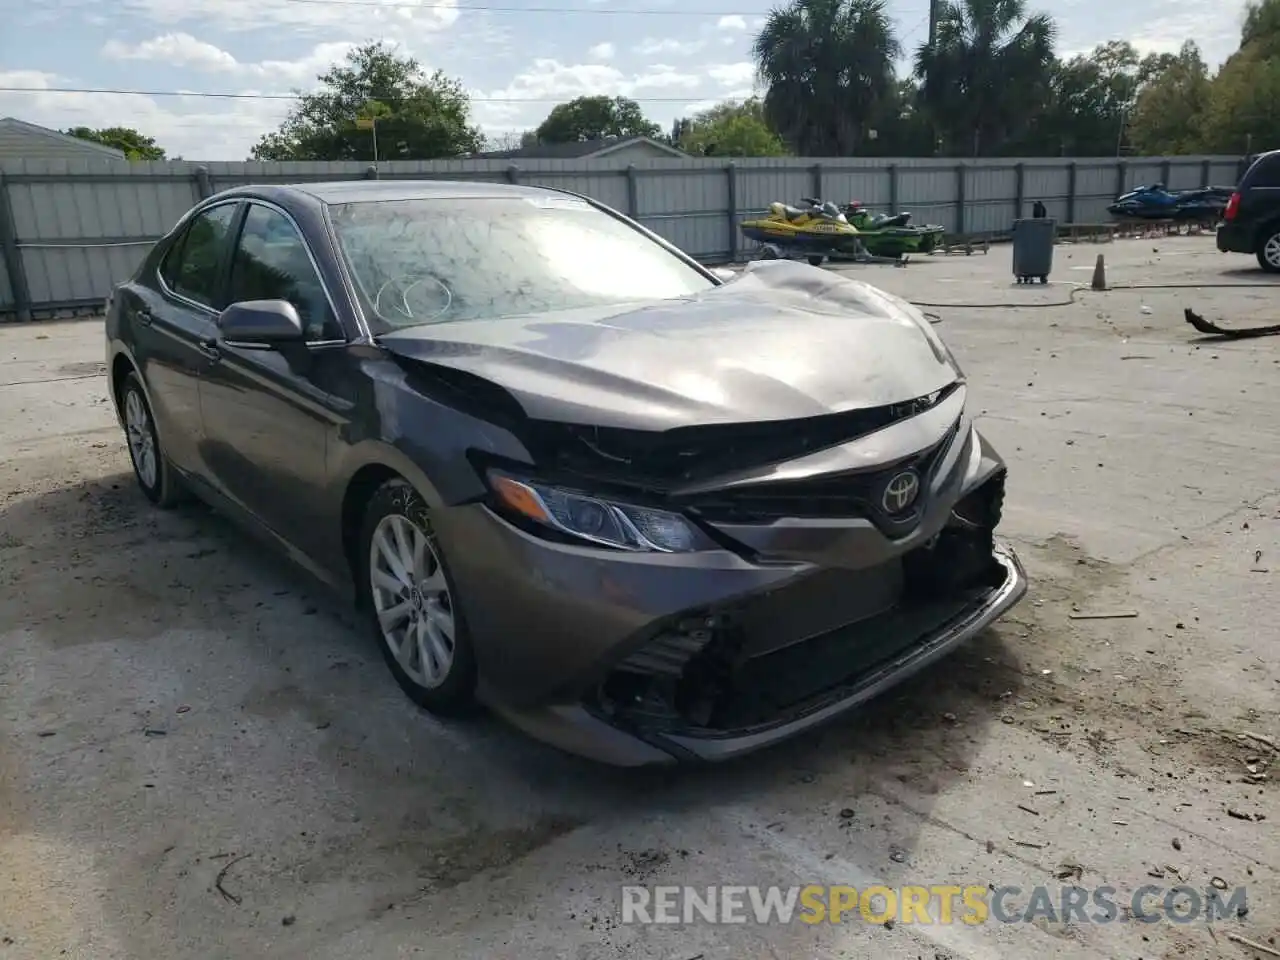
(222, 875)
(1260, 738)
(1253, 945)
(1238, 814)
(1068, 870)
(1103, 615)
(1212, 329)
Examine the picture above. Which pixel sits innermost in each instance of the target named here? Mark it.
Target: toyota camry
(646, 511)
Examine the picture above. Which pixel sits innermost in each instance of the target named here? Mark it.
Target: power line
(487, 8)
(106, 91)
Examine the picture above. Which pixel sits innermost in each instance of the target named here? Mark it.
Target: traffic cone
(1100, 274)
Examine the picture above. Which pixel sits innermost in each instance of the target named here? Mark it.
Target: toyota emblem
(900, 492)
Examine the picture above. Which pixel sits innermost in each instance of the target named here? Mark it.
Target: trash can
(1033, 241)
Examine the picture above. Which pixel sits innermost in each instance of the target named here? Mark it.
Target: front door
(268, 412)
(174, 321)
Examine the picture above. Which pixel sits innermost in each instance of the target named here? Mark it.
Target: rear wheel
(815, 261)
(1269, 251)
(157, 479)
(410, 595)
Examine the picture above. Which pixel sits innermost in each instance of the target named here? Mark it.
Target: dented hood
(781, 341)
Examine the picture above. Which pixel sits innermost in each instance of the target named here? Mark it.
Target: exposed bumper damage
(818, 601)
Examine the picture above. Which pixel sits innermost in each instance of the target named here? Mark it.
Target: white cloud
(662, 77)
(407, 18)
(1145, 45)
(176, 49)
(732, 22)
(733, 74)
(653, 46)
(549, 82)
(196, 128)
(602, 51)
(699, 106)
(184, 50)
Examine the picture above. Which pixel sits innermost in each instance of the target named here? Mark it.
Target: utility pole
(933, 39)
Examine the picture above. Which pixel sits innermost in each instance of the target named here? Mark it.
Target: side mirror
(723, 274)
(265, 322)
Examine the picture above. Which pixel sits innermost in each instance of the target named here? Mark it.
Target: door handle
(144, 315)
(209, 347)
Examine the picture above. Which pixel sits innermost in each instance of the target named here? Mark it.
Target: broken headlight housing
(593, 519)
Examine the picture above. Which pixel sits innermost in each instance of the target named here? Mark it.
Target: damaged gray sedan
(644, 512)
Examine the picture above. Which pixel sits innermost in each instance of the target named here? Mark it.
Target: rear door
(172, 315)
(268, 412)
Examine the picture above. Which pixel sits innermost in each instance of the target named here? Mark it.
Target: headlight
(620, 525)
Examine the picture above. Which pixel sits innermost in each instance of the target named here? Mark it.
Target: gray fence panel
(81, 226)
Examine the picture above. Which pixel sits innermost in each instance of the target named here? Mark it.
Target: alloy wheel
(142, 438)
(412, 600)
(1271, 250)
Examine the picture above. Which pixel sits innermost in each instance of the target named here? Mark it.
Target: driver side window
(271, 263)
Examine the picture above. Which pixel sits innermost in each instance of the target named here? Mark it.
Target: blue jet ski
(1155, 202)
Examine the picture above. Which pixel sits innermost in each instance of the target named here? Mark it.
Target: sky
(517, 58)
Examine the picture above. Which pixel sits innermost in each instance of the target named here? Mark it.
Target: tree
(826, 65)
(1170, 109)
(1091, 97)
(729, 129)
(988, 75)
(595, 118)
(135, 145)
(1242, 110)
(902, 128)
(416, 115)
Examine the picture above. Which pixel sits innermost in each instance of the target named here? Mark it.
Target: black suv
(1251, 222)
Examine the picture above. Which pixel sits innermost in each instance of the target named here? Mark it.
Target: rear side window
(1265, 173)
(271, 263)
(191, 267)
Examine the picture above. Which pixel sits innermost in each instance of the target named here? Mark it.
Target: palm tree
(826, 65)
(987, 73)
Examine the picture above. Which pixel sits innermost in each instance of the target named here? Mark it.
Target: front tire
(156, 478)
(1269, 251)
(411, 601)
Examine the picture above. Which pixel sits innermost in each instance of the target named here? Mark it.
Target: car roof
(357, 191)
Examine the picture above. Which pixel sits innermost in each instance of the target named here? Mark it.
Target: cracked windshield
(439, 260)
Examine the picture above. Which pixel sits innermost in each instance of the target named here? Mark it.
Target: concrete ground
(200, 756)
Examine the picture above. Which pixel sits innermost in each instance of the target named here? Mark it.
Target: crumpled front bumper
(582, 731)
(971, 621)
(810, 618)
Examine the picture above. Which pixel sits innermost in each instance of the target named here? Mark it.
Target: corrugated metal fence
(70, 229)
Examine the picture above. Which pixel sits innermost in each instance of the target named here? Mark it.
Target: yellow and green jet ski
(815, 230)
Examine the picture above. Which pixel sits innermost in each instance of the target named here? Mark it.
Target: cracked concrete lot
(202, 756)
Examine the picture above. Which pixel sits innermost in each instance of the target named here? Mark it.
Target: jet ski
(1155, 202)
(814, 230)
(891, 234)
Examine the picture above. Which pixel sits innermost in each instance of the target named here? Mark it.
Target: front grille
(828, 496)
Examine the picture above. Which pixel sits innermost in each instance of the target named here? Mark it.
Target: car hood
(781, 341)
